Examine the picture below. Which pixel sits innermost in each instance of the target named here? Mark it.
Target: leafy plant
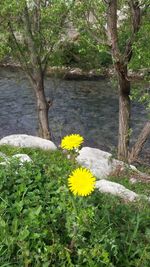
(43, 224)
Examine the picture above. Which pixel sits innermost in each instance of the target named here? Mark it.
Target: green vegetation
(87, 34)
(43, 224)
(34, 30)
(84, 54)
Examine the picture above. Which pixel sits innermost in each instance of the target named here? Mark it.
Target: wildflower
(71, 142)
(81, 182)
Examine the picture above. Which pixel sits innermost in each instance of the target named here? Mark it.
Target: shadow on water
(86, 107)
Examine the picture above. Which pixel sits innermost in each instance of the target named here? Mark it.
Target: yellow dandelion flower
(81, 182)
(71, 142)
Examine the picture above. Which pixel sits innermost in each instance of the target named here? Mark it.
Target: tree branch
(136, 21)
(143, 136)
(112, 29)
(35, 60)
(21, 56)
(94, 35)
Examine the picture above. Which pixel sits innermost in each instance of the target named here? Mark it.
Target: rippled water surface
(86, 107)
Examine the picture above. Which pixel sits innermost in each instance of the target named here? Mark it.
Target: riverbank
(82, 106)
(70, 73)
(62, 72)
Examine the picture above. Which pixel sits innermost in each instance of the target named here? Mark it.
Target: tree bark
(37, 76)
(124, 85)
(145, 133)
(42, 108)
(124, 115)
(121, 60)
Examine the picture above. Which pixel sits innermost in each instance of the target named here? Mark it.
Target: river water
(89, 108)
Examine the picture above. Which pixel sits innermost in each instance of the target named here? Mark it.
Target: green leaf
(23, 234)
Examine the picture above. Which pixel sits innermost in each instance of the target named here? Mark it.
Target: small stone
(4, 163)
(2, 155)
(22, 158)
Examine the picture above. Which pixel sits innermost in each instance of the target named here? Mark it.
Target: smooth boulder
(99, 162)
(116, 189)
(23, 140)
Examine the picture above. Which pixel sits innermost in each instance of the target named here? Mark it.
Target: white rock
(4, 163)
(133, 168)
(23, 140)
(133, 180)
(2, 155)
(105, 186)
(99, 162)
(22, 158)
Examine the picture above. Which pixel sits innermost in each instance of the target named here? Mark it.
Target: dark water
(86, 107)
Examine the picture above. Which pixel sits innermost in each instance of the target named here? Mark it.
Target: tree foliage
(34, 34)
(46, 19)
(34, 30)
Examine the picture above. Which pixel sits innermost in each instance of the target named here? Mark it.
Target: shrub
(43, 224)
(83, 55)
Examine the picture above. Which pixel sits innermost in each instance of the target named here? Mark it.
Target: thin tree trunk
(42, 110)
(145, 133)
(121, 60)
(42, 106)
(37, 77)
(124, 119)
(124, 85)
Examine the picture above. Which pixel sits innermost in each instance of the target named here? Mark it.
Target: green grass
(42, 224)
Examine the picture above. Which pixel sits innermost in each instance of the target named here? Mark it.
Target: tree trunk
(139, 143)
(42, 108)
(124, 85)
(121, 60)
(124, 118)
